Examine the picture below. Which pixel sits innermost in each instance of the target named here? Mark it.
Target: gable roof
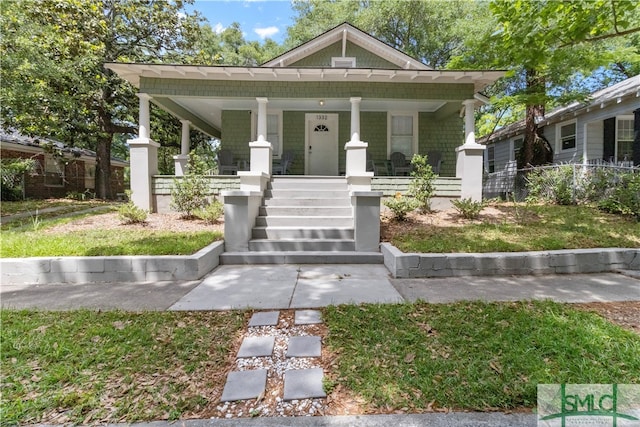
(344, 33)
(598, 99)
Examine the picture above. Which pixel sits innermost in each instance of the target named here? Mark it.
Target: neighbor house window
(567, 137)
(624, 138)
(53, 171)
(491, 158)
(89, 176)
(274, 131)
(517, 146)
(403, 134)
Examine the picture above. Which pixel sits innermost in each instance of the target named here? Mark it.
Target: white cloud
(266, 32)
(218, 28)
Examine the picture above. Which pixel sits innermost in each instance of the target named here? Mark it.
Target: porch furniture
(435, 160)
(371, 165)
(226, 164)
(282, 167)
(399, 164)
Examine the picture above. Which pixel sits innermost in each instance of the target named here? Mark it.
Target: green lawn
(473, 355)
(528, 228)
(88, 367)
(66, 205)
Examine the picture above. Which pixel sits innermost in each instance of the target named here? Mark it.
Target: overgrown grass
(473, 355)
(539, 227)
(87, 367)
(24, 206)
(98, 242)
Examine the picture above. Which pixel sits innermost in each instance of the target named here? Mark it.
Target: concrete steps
(304, 214)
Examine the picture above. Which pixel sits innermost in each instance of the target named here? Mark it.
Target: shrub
(555, 184)
(210, 213)
(422, 185)
(12, 172)
(189, 192)
(625, 196)
(401, 205)
(130, 213)
(468, 208)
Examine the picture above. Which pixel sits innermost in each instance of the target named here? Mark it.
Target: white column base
(260, 159)
(143, 158)
(356, 157)
(469, 167)
(253, 181)
(181, 164)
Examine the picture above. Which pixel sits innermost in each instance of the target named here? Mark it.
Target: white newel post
(182, 159)
(469, 157)
(356, 153)
(143, 153)
(260, 158)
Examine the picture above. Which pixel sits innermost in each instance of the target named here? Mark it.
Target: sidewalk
(313, 286)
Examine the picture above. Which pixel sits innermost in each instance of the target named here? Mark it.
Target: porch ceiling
(210, 110)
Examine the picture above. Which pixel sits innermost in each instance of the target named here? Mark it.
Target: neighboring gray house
(601, 129)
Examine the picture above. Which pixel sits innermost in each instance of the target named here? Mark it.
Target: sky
(258, 19)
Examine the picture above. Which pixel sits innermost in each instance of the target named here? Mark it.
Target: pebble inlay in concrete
(256, 347)
(303, 384)
(308, 346)
(244, 385)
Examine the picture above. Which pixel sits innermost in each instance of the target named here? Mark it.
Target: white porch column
(469, 157)
(260, 158)
(182, 159)
(143, 159)
(356, 157)
(469, 121)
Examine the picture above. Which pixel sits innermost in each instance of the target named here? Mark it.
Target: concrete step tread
(298, 257)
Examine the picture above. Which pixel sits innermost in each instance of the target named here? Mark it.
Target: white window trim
(254, 129)
(512, 147)
(559, 135)
(61, 165)
(336, 59)
(491, 148)
(618, 118)
(390, 114)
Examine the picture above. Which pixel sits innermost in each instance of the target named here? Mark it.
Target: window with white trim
(403, 133)
(624, 138)
(53, 171)
(517, 146)
(567, 136)
(274, 130)
(491, 158)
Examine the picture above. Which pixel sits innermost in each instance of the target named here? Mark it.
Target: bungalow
(604, 128)
(342, 87)
(70, 170)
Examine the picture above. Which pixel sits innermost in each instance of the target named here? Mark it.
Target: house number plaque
(321, 117)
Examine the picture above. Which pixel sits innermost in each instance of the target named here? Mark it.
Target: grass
(473, 355)
(536, 228)
(98, 242)
(66, 205)
(87, 367)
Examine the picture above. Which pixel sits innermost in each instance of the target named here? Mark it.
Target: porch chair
(399, 164)
(282, 168)
(371, 165)
(226, 165)
(435, 160)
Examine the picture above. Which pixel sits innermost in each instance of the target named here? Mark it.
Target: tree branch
(603, 37)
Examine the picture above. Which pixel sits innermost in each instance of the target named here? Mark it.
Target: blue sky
(258, 19)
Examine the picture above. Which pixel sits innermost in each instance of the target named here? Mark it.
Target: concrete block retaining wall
(112, 268)
(414, 265)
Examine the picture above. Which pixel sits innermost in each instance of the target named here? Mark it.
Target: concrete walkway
(311, 286)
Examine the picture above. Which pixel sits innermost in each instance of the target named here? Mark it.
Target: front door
(321, 144)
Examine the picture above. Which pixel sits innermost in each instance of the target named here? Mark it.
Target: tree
(53, 79)
(552, 49)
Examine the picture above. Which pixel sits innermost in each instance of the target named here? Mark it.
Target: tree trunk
(535, 108)
(103, 169)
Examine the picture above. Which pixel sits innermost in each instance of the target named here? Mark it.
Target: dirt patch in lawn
(155, 221)
(623, 313)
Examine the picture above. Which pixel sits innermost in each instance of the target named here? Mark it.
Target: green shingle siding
(364, 58)
(442, 134)
(253, 89)
(236, 132)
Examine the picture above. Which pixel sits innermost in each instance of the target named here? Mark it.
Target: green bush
(468, 208)
(12, 172)
(624, 197)
(401, 205)
(422, 186)
(189, 192)
(210, 213)
(554, 185)
(130, 213)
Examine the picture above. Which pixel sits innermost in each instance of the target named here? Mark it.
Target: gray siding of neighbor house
(364, 58)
